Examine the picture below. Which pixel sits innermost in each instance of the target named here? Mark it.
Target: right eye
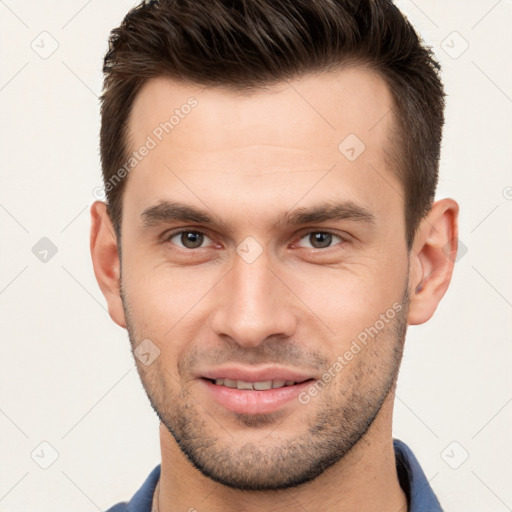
(187, 239)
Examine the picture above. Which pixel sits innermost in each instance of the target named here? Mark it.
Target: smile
(258, 386)
(259, 397)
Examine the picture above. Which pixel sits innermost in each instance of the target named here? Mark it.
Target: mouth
(255, 386)
(256, 397)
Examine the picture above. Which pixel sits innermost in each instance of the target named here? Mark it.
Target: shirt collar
(420, 496)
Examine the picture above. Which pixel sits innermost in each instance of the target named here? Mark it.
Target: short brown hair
(247, 44)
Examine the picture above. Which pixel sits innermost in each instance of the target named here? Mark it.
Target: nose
(253, 303)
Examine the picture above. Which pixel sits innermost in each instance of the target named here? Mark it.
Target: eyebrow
(346, 210)
(171, 211)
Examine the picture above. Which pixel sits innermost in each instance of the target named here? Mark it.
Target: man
(270, 169)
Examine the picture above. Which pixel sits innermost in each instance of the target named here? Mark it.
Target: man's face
(260, 293)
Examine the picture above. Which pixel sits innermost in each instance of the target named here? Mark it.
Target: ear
(105, 260)
(432, 259)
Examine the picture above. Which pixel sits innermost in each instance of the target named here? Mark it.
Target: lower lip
(246, 401)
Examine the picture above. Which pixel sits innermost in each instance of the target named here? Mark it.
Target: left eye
(321, 239)
(188, 239)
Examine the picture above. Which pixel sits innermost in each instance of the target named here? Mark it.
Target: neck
(364, 480)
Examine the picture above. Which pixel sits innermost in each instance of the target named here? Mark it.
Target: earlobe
(105, 260)
(432, 260)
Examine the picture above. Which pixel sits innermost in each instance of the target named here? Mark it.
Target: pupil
(191, 239)
(320, 240)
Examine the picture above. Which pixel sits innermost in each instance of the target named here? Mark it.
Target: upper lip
(247, 374)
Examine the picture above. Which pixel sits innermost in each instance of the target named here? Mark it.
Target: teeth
(240, 384)
(259, 386)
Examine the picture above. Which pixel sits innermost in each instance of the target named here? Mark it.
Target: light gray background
(66, 373)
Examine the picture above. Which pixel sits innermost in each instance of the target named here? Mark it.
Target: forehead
(323, 135)
(352, 100)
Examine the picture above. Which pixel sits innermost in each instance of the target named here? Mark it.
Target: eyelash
(167, 238)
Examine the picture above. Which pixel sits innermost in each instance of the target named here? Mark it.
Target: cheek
(348, 300)
(163, 299)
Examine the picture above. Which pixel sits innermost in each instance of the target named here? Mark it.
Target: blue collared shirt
(420, 496)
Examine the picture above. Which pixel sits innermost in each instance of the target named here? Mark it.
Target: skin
(249, 159)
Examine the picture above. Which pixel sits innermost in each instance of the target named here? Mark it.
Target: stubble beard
(343, 416)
